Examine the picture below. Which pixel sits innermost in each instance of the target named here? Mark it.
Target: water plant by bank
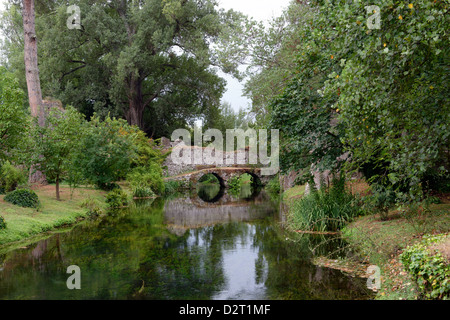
(327, 209)
(23, 223)
(380, 239)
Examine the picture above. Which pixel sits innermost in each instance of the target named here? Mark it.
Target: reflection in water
(211, 192)
(180, 249)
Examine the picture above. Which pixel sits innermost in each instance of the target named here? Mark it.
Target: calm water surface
(203, 246)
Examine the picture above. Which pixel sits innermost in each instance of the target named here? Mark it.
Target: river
(207, 245)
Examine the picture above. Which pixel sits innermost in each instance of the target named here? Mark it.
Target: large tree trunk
(32, 74)
(136, 103)
(31, 61)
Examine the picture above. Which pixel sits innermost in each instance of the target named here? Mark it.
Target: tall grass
(327, 209)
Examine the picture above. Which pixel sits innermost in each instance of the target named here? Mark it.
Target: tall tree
(273, 56)
(153, 62)
(31, 61)
(386, 87)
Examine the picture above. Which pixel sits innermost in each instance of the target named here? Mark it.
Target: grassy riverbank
(380, 242)
(23, 223)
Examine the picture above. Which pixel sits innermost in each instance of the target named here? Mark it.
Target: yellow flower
(358, 22)
(337, 110)
(337, 76)
(410, 6)
(385, 45)
(431, 87)
(400, 17)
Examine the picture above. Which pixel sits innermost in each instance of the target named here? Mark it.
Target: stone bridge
(223, 174)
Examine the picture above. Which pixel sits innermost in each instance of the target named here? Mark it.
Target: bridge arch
(256, 180)
(223, 175)
(194, 180)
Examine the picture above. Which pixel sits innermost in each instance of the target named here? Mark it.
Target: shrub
(143, 192)
(23, 198)
(234, 185)
(106, 153)
(327, 209)
(433, 200)
(110, 186)
(273, 186)
(93, 206)
(171, 186)
(429, 269)
(2, 223)
(117, 198)
(380, 202)
(10, 177)
(150, 176)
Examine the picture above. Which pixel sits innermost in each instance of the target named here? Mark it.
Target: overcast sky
(258, 9)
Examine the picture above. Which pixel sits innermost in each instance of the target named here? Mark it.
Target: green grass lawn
(23, 223)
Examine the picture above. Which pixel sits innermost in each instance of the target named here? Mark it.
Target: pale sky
(262, 10)
(258, 9)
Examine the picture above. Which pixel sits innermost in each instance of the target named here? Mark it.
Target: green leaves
(428, 268)
(56, 143)
(388, 87)
(13, 119)
(107, 151)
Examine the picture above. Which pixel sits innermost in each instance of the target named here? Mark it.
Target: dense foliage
(56, 143)
(10, 177)
(117, 198)
(150, 61)
(107, 152)
(429, 269)
(23, 198)
(379, 94)
(149, 176)
(13, 119)
(143, 191)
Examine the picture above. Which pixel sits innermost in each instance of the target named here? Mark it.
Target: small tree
(107, 151)
(56, 142)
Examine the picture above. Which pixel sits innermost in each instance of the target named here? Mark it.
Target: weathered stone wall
(208, 159)
(223, 174)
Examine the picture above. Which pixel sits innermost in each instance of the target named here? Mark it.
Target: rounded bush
(23, 198)
(10, 177)
(143, 192)
(117, 198)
